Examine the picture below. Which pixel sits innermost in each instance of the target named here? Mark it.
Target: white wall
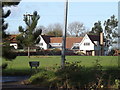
(14, 45)
(86, 40)
(44, 46)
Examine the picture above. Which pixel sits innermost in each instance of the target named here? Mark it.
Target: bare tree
(43, 28)
(75, 28)
(56, 26)
(55, 29)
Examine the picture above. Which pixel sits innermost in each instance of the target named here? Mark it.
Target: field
(21, 63)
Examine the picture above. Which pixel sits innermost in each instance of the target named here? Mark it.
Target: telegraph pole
(119, 32)
(64, 36)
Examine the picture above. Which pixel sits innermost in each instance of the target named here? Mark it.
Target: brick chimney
(101, 38)
(102, 43)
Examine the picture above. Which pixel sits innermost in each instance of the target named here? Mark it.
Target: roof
(94, 37)
(46, 38)
(12, 38)
(69, 40)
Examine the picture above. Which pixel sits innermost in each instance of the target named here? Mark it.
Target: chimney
(101, 38)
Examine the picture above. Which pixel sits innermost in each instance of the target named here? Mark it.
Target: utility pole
(119, 32)
(64, 36)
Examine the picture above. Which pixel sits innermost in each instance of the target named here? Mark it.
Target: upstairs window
(41, 44)
(86, 44)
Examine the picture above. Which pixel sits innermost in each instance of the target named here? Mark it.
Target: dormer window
(87, 44)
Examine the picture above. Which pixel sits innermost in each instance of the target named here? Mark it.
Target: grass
(21, 64)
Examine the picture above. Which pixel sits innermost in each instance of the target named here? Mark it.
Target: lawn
(20, 64)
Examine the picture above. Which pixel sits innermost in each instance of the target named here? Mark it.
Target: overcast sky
(53, 12)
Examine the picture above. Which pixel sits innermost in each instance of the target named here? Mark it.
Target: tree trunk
(28, 52)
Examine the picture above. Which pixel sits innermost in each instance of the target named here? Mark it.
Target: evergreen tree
(29, 36)
(111, 30)
(7, 51)
(97, 29)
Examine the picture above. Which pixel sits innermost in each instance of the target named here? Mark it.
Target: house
(50, 42)
(13, 41)
(44, 42)
(56, 42)
(89, 44)
(93, 45)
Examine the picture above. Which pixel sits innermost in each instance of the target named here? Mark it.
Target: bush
(80, 53)
(4, 65)
(77, 77)
(72, 76)
(111, 53)
(70, 52)
(42, 78)
(56, 51)
(8, 53)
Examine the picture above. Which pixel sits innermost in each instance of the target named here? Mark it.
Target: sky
(53, 12)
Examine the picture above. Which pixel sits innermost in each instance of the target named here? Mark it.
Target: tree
(29, 36)
(55, 30)
(76, 28)
(7, 51)
(97, 29)
(5, 15)
(43, 28)
(111, 30)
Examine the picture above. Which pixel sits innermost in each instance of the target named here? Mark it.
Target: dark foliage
(8, 53)
(4, 65)
(77, 77)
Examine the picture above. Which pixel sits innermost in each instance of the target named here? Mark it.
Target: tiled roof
(69, 40)
(46, 38)
(94, 37)
(12, 38)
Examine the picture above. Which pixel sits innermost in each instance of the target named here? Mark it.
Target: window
(75, 47)
(56, 44)
(86, 44)
(41, 44)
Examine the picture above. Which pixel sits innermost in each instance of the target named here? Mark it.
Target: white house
(13, 42)
(91, 45)
(44, 42)
(50, 42)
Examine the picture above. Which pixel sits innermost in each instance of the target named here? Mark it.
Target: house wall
(42, 44)
(14, 45)
(86, 47)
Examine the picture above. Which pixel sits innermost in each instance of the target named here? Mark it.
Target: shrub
(42, 78)
(111, 53)
(77, 77)
(70, 52)
(116, 84)
(80, 53)
(8, 53)
(56, 51)
(4, 65)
